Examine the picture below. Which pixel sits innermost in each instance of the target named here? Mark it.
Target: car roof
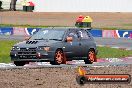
(63, 28)
(54, 29)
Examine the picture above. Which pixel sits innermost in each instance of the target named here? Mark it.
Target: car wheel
(59, 58)
(91, 57)
(19, 63)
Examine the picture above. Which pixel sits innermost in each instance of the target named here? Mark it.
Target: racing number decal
(80, 33)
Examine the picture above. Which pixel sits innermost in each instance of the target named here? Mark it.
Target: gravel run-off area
(57, 77)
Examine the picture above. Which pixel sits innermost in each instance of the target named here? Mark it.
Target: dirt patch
(61, 77)
(101, 20)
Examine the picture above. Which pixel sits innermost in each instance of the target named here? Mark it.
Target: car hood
(35, 43)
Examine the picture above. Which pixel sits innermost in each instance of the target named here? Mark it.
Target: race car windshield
(48, 35)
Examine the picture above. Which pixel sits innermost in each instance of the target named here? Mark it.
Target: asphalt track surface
(123, 43)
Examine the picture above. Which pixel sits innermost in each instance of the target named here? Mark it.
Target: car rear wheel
(20, 63)
(59, 58)
(91, 57)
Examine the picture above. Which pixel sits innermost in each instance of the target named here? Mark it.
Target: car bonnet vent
(31, 42)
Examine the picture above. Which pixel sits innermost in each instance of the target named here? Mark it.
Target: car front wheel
(59, 58)
(91, 57)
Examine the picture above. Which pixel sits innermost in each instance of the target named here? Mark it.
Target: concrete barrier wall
(95, 32)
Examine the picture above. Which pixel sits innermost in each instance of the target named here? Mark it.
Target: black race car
(56, 45)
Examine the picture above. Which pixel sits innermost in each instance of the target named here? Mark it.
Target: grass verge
(107, 52)
(42, 26)
(28, 26)
(104, 52)
(5, 47)
(127, 24)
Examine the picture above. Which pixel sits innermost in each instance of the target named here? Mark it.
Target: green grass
(45, 26)
(104, 52)
(42, 26)
(107, 52)
(127, 24)
(28, 26)
(110, 28)
(114, 28)
(5, 47)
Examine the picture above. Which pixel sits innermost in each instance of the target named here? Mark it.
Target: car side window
(73, 34)
(83, 34)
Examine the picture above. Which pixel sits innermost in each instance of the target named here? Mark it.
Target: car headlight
(45, 48)
(15, 48)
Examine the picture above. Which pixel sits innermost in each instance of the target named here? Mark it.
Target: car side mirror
(69, 39)
(27, 38)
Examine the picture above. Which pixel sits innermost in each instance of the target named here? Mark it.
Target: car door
(85, 41)
(73, 47)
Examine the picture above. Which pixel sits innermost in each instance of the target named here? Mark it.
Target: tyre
(20, 63)
(59, 58)
(81, 80)
(91, 57)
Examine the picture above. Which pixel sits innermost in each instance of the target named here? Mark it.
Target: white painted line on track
(101, 45)
(7, 65)
(115, 47)
(114, 60)
(128, 48)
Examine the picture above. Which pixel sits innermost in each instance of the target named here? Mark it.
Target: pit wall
(95, 32)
